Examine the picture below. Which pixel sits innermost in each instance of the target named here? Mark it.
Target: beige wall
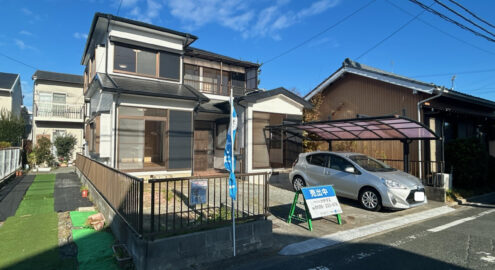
(5, 101)
(74, 95)
(353, 94)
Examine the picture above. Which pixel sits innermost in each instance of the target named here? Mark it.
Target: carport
(390, 127)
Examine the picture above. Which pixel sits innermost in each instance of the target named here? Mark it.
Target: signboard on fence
(198, 191)
(321, 201)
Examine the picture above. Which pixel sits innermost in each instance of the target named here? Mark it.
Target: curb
(360, 232)
(472, 199)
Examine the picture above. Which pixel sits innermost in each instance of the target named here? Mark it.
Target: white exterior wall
(277, 104)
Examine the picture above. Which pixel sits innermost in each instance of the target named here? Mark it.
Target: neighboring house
(58, 107)
(358, 90)
(10, 93)
(158, 106)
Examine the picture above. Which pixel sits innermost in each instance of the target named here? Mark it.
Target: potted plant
(122, 256)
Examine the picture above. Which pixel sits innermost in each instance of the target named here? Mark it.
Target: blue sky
(50, 35)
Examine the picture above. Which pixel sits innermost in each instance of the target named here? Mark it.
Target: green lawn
(29, 240)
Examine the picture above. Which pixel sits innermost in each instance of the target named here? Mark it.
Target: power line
(18, 61)
(391, 35)
(452, 73)
(451, 20)
(472, 14)
(440, 30)
(319, 34)
(118, 9)
(466, 19)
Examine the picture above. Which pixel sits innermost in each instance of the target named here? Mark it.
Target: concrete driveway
(353, 216)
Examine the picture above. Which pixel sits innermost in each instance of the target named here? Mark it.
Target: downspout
(420, 104)
(109, 18)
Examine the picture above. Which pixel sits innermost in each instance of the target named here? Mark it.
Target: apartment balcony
(215, 88)
(58, 112)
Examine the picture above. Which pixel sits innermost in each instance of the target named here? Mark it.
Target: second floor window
(147, 62)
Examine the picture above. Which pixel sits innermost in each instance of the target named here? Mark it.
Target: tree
(11, 128)
(310, 115)
(65, 146)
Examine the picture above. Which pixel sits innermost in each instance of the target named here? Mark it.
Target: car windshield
(371, 164)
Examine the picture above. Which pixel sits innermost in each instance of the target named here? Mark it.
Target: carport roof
(391, 127)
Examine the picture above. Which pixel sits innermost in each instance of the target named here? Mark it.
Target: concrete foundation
(435, 193)
(185, 250)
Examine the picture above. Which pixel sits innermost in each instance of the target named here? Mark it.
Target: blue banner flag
(228, 157)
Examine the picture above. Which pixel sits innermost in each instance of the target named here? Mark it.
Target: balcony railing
(215, 88)
(53, 110)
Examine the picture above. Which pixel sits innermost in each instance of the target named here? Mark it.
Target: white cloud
(26, 11)
(78, 35)
(145, 13)
(239, 16)
(22, 45)
(26, 33)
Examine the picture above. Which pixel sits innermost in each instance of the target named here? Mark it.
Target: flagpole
(233, 162)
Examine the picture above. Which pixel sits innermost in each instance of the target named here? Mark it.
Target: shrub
(65, 146)
(5, 144)
(470, 161)
(11, 128)
(42, 152)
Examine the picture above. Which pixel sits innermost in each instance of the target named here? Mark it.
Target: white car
(359, 177)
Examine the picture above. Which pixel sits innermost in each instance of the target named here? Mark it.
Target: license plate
(419, 196)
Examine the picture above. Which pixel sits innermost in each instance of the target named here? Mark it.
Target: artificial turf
(94, 248)
(29, 240)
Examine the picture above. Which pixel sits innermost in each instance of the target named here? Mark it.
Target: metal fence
(123, 192)
(68, 111)
(10, 161)
(193, 203)
(429, 169)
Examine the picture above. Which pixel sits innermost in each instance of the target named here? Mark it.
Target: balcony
(58, 112)
(215, 88)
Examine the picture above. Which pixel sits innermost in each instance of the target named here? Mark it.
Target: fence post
(153, 206)
(141, 200)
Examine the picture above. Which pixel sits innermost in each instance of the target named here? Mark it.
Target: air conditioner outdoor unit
(443, 180)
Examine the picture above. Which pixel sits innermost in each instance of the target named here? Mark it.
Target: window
(141, 138)
(169, 65)
(144, 62)
(125, 59)
(317, 160)
(339, 163)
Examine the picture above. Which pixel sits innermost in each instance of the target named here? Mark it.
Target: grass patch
(29, 240)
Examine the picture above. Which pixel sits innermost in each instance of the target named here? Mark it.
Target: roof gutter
(420, 104)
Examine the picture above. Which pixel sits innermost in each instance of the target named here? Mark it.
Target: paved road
(464, 239)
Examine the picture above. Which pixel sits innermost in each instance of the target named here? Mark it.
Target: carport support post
(405, 144)
(329, 145)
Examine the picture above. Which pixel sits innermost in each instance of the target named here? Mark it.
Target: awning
(391, 127)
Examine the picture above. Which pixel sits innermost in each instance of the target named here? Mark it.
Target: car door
(315, 170)
(344, 183)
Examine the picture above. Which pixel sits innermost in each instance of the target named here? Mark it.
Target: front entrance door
(203, 150)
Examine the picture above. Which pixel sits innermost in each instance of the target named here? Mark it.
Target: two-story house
(58, 107)
(158, 106)
(10, 93)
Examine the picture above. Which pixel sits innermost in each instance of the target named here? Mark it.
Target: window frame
(329, 164)
(157, 62)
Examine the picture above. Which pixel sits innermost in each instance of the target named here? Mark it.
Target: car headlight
(392, 184)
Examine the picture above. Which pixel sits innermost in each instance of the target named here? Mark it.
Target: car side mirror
(350, 170)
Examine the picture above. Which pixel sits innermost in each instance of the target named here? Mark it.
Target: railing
(123, 192)
(193, 203)
(215, 88)
(10, 161)
(429, 169)
(67, 111)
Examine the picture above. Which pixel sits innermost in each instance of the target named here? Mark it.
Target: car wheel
(370, 199)
(298, 183)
